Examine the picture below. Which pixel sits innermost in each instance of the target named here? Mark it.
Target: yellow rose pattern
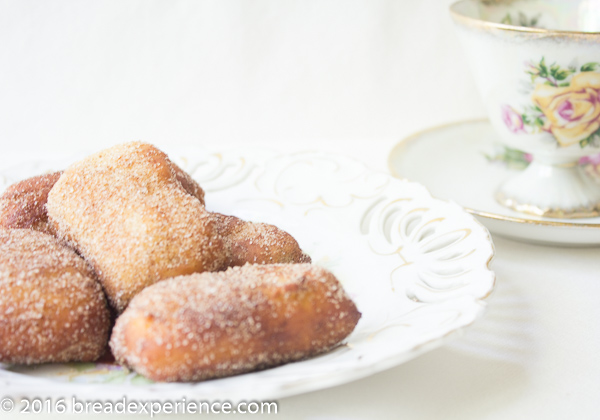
(566, 104)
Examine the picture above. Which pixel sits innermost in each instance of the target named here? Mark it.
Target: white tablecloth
(346, 76)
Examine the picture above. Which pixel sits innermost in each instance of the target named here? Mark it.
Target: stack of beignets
(137, 219)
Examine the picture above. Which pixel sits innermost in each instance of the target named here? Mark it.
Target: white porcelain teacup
(537, 67)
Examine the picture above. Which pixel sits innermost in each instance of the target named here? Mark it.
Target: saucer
(463, 162)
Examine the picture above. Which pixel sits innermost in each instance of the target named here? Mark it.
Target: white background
(362, 74)
(348, 76)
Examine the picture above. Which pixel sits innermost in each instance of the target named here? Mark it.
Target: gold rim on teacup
(479, 23)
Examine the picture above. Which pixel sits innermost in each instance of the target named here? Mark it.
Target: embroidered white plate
(417, 268)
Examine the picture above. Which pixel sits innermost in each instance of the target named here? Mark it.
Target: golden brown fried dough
(211, 325)
(257, 243)
(51, 309)
(23, 205)
(188, 183)
(125, 211)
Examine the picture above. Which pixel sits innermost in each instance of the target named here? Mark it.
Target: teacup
(537, 67)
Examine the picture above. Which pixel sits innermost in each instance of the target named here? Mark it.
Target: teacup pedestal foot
(550, 188)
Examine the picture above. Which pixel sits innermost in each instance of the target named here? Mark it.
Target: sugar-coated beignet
(126, 212)
(257, 243)
(211, 325)
(23, 205)
(51, 308)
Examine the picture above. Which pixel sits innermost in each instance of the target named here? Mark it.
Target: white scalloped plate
(417, 268)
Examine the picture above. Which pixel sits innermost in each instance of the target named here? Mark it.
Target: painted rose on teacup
(565, 103)
(572, 112)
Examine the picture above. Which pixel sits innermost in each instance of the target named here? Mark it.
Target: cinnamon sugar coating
(257, 243)
(23, 205)
(188, 183)
(51, 308)
(127, 213)
(211, 325)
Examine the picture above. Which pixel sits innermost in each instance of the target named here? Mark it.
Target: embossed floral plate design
(417, 268)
